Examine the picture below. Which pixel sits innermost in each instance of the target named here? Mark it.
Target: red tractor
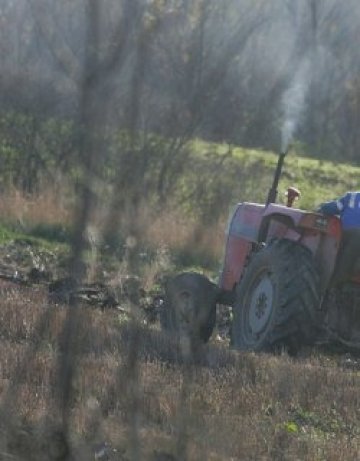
(277, 276)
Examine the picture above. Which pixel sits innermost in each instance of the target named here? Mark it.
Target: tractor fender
(276, 225)
(320, 234)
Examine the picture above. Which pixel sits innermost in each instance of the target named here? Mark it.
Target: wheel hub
(261, 304)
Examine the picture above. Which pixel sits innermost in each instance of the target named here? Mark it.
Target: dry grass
(178, 232)
(50, 206)
(165, 229)
(236, 406)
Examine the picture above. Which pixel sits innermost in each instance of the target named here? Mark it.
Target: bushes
(32, 148)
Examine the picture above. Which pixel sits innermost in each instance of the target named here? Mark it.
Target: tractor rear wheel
(190, 307)
(277, 301)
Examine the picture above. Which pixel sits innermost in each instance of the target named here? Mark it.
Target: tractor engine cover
(242, 234)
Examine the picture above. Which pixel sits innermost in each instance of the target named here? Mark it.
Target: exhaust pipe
(272, 195)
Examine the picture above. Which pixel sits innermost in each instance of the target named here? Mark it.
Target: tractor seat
(348, 259)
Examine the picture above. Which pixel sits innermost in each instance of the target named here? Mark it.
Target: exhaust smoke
(293, 103)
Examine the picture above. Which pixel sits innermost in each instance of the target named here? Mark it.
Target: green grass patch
(7, 234)
(318, 180)
(51, 232)
(10, 233)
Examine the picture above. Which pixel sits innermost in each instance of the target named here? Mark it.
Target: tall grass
(50, 206)
(196, 215)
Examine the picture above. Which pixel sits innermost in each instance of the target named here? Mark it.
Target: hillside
(133, 395)
(191, 224)
(318, 180)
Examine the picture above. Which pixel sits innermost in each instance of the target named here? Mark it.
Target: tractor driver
(347, 208)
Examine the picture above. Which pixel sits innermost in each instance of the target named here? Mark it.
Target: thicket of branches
(144, 77)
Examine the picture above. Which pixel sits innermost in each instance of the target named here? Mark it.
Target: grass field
(134, 395)
(318, 180)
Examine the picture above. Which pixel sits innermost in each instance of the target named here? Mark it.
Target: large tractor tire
(190, 307)
(277, 301)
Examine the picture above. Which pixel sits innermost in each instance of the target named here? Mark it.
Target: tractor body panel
(252, 224)
(242, 233)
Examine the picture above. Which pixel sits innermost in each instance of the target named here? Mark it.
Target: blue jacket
(348, 207)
